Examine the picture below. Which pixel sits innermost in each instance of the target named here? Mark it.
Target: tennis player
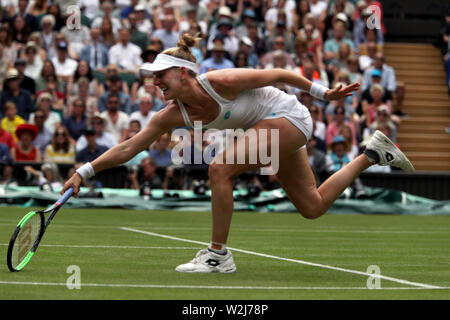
(243, 98)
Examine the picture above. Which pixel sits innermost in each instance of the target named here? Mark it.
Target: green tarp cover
(380, 201)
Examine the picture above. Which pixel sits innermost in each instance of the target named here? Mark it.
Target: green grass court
(284, 256)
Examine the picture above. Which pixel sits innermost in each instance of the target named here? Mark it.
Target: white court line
(109, 247)
(416, 284)
(293, 230)
(176, 286)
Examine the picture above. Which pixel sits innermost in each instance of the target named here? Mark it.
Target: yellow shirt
(60, 156)
(11, 126)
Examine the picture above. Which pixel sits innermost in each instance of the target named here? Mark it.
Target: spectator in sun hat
(25, 151)
(337, 156)
(360, 28)
(13, 92)
(47, 33)
(246, 45)
(217, 60)
(52, 118)
(222, 14)
(331, 46)
(143, 21)
(224, 31)
(33, 60)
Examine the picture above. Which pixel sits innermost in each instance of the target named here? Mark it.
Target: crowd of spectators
(71, 87)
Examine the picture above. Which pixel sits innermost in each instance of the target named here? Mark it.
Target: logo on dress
(227, 115)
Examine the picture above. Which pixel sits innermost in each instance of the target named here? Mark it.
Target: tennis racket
(29, 232)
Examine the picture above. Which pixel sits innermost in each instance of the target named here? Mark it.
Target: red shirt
(7, 139)
(31, 156)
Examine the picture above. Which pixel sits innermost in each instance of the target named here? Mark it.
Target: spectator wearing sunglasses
(61, 149)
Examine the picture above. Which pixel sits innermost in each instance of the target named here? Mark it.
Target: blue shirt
(86, 155)
(23, 102)
(124, 102)
(43, 138)
(209, 63)
(76, 129)
(163, 159)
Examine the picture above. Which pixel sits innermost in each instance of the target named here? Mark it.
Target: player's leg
(297, 179)
(222, 174)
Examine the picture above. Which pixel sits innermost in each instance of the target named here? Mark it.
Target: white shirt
(116, 128)
(127, 57)
(272, 16)
(106, 140)
(34, 70)
(51, 122)
(66, 68)
(318, 8)
(91, 7)
(143, 120)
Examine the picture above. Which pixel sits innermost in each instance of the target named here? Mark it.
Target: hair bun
(186, 41)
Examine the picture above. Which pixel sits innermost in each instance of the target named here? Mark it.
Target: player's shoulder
(170, 115)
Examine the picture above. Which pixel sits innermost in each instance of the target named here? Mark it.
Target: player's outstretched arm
(230, 82)
(162, 122)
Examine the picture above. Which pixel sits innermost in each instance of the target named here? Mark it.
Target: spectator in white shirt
(116, 121)
(145, 112)
(125, 54)
(64, 66)
(34, 61)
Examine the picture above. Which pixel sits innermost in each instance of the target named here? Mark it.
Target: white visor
(165, 61)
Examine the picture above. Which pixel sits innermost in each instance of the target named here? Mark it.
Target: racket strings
(26, 239)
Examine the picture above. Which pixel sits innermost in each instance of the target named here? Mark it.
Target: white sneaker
(206, 261)
(388, 153)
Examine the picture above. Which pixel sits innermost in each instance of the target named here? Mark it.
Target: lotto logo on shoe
(389, 157)
(212, 262)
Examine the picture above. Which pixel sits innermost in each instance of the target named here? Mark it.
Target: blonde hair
(182, 50)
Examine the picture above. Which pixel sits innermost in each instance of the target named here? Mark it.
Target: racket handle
(65, 196)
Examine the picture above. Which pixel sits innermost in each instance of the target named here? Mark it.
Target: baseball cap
(376, 73)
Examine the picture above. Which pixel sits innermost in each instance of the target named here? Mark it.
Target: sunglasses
(60, 134)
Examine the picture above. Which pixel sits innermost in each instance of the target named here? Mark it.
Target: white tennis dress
(253, 105)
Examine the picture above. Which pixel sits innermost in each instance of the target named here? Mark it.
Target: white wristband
(86, 171)
(318, 91)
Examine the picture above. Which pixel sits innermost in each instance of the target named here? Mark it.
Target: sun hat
(27, 127)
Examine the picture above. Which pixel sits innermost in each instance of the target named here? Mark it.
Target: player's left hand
(341, 92)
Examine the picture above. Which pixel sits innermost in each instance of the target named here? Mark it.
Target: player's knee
(217, 172)
(311, 212)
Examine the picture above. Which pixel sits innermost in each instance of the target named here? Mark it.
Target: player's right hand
(73, 182)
